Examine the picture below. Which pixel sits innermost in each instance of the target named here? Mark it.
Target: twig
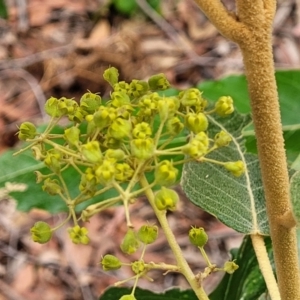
(176, 37)
(33, 83)
(23, 22)
(35, 58)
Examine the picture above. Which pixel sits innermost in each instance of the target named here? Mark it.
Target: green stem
(181, 262)
(209, 264)
(167, 152)
(162, 266)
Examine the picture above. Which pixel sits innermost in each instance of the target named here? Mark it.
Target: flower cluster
(119, 148)
(112, 143)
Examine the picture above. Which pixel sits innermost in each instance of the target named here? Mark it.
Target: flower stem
(181, 262)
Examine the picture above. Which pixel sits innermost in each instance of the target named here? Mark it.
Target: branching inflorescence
(132, 144)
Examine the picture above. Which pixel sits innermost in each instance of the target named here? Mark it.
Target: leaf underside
(238, 202)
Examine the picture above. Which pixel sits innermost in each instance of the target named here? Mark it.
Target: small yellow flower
(78, 235)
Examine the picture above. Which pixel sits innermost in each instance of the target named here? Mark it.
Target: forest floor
(61, 48)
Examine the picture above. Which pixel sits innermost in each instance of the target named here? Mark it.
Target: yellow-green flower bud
(222, 139)
(174, 126)
(52, 187)
(142, 131)
(128, 297)
(41, 232)
(78, 235)
(147, 234)
(236, 168)
(106, 172)
(196, 122)
(130, 242)
(91, 126)
(158, 82)
(88, 182)
(120, 129)
(123, 172)
(111, 142)
(166, 199)
(40, 177)
(90, 102)
(67, 106)
(198, 236)
(110, 262)
(77, 115)
(191, 97)
(147, 106)
(198, 146)
(52, 109)
(125, 112)
(167, 107)
(104, 116)
(38, 152)
(52, 161)
(142, 148)
(224, 106)
(72, 135)
(119, 99)
(115, 154)
(122, 86)
(230, 267)
(27, 131)
(138, 266)
(111, 75)
(165, 173)
(138, 88)
(91, 152)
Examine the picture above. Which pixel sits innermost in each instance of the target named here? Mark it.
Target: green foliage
(114, 293)
(247, 282)
(130, 7)
(3, 10)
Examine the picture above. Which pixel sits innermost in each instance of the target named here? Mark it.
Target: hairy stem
(181, 262)
(265, 265)
(251, 30)
(259, 68)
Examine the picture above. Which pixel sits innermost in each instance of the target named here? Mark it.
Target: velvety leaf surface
(238, 202)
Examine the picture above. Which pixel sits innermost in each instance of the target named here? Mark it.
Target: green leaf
(246, 282)
(20, 169)
(238, 202)
(115, 293)
(295, 195)
(288, 90)
(127, 7)
(3, 10)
